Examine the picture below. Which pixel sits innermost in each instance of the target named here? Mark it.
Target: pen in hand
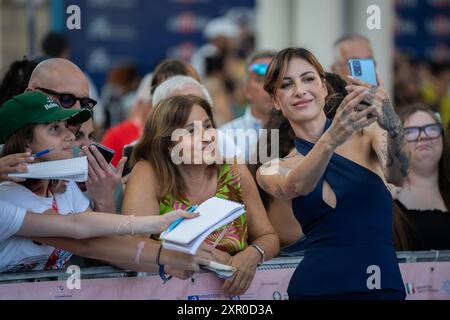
(42, 153)
(178, 221)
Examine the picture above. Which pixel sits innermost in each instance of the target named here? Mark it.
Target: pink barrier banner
(427, 280)
(423, 281)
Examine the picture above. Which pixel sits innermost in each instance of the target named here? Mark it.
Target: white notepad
(75, 169)
(190, 233)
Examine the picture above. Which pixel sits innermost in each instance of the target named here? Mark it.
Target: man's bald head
(60, 75)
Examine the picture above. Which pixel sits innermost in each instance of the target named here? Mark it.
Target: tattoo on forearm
(392, 124)
(390, 121)
(387, 160)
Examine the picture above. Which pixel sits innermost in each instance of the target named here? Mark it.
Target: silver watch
(261, 252)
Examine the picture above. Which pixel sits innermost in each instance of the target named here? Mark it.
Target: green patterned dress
(232, 238)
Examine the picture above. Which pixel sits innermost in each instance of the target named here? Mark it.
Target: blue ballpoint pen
(42, 153)
(177, 222)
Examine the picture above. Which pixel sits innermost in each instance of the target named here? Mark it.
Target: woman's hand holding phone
(379, 98)
(103, 179)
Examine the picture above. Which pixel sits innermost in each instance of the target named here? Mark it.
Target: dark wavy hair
(16, 78)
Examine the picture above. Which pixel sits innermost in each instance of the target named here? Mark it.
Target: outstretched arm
(95, 224)
(296, 176)
(123, 251)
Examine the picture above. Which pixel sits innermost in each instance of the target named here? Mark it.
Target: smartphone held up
(364, 70)
(107, 153)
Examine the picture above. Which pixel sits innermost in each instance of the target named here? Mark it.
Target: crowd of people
(356, 174)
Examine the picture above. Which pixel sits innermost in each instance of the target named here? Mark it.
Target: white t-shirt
(11, 219)
(22, 254)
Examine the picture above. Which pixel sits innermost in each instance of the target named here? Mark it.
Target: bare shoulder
(141, 192)
(143, 167)
(142, 173)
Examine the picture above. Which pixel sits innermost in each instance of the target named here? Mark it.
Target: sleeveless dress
(349, 250)
(233, 236)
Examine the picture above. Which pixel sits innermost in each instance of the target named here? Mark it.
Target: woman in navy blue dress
(336, 179)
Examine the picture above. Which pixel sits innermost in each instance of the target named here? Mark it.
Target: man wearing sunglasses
(258, 111)
(68, 100)
(65, 82)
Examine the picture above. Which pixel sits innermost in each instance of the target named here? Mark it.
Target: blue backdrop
(140, 31)
(423, 29)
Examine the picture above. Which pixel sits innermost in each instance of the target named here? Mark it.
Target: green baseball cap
(35, 107)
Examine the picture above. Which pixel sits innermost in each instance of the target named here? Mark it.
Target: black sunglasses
(432, 131)
(68, 100)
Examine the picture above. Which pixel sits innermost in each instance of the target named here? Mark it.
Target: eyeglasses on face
(68, 100)
(432, 131)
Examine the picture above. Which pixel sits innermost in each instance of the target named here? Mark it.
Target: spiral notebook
(75, 169)
(190, 233)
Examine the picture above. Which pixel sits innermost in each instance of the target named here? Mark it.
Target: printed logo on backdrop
(205, 297)
(439, 3)
(446, 286)
(440, 52)
(183, 51)
(187, 22)
(418, 20)
(438, 26)
(410, 289)
(277, 296)
(99, 60)
(405, 27)
(61, 292)
(141, 31)
(102, 28)
(118, 4)
(407, 3)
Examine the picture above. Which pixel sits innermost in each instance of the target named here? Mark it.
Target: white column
(316, 24)
(272, 24)
(383, 39)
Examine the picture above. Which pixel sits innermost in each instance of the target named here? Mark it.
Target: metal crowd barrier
(276, 263)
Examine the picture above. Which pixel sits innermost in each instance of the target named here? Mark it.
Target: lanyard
(54, 205)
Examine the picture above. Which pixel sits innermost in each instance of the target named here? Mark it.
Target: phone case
(363, 69)
(106, 152)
